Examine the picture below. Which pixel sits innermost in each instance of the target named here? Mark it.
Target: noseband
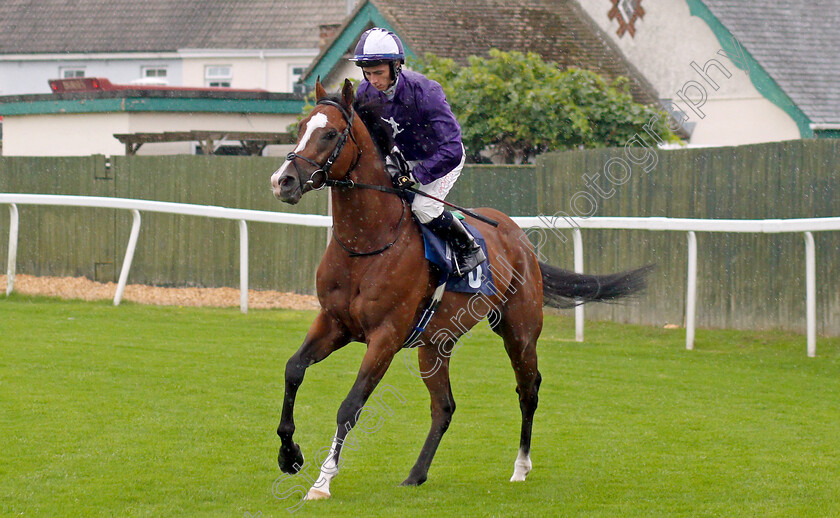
(325, 168)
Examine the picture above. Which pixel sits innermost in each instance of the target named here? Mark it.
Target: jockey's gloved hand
(404, 181)
(396, 164)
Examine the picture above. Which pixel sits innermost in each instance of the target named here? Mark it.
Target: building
(733, 73)
(560, 32)
(240, 44)
(775, 68)
(88, 116)
(254, 44)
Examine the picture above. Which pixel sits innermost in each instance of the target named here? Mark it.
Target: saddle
(439, 253)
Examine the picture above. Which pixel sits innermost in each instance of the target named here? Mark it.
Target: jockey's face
(379, 76)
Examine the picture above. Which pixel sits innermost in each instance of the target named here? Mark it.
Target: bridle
(346, 182)
(325, 168)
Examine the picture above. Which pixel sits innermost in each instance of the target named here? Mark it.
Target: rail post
(578, 241)
(811, 293)
(243, 266)
(691, 291)
(14, 225)
(129, 255)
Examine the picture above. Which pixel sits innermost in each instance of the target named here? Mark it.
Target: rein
(347, 183)
(350, 184)
(354, 253)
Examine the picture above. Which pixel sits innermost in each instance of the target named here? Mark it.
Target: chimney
(326, 33)
(351, 4)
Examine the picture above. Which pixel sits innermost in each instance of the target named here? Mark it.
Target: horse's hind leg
(434, 369)
(520, 326)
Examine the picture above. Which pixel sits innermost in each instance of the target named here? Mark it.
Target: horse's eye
(331, 134)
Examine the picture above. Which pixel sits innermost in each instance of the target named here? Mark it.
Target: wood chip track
(85, 289)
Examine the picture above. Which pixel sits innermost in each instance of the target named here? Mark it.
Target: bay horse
(373, 282)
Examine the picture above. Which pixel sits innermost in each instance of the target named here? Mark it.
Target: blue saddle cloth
(438, 253)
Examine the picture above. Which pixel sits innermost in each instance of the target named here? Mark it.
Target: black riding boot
(468, 253)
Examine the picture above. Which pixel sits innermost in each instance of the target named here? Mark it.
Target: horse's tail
(565, 289)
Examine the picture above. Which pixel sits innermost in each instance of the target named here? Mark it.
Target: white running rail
(135, 206)
(771, 226)
(761, 226)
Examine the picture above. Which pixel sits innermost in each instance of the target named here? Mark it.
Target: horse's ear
(320, 93)
(347, 92)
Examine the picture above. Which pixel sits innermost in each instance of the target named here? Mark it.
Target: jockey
(428, 138)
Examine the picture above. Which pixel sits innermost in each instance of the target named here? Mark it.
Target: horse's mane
(380, 131)
(371, 115)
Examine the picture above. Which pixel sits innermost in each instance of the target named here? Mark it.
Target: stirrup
(468, 260)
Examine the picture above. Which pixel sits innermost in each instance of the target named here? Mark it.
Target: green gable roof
(762, 81)
(366, 15)
(557, 31)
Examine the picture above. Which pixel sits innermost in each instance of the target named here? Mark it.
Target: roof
(190, 101)
(558, 30)
(796, 43)
(57, 26)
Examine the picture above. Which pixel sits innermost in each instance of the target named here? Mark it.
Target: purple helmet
(376, 46)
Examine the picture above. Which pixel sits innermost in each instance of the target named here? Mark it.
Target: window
(218, 76)
(295, 71)
(159, 72)
(71, 72)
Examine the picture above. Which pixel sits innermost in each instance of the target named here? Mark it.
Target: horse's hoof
(521, 469)
(290, 459)
(520, 472)
(412, 482)
(315, 494)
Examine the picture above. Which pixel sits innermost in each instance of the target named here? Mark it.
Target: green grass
(165, 411)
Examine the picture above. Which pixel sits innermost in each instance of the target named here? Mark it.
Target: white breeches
(427, 209)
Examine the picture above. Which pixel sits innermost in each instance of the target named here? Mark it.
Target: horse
(373, 282)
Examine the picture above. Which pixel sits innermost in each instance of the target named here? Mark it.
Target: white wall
(268, 70)
(64, 135)
(264, 69)
(667, 40)
(342, 70)
(93, 133)
(156, 123)
(29, 74)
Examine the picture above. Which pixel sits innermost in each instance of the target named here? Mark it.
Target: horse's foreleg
(325, 336)
(380, 352)
(434, 367)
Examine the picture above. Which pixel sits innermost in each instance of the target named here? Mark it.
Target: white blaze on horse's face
(318, 121)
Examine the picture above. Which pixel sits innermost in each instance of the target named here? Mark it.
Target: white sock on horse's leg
(521, 467)
(320, 490)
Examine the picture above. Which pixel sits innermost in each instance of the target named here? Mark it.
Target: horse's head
(321, 152)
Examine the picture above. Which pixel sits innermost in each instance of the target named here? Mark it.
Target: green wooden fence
(172, 250)
(745, 281)
(57, 240)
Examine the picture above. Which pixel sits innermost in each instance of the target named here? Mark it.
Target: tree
(517, 106)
